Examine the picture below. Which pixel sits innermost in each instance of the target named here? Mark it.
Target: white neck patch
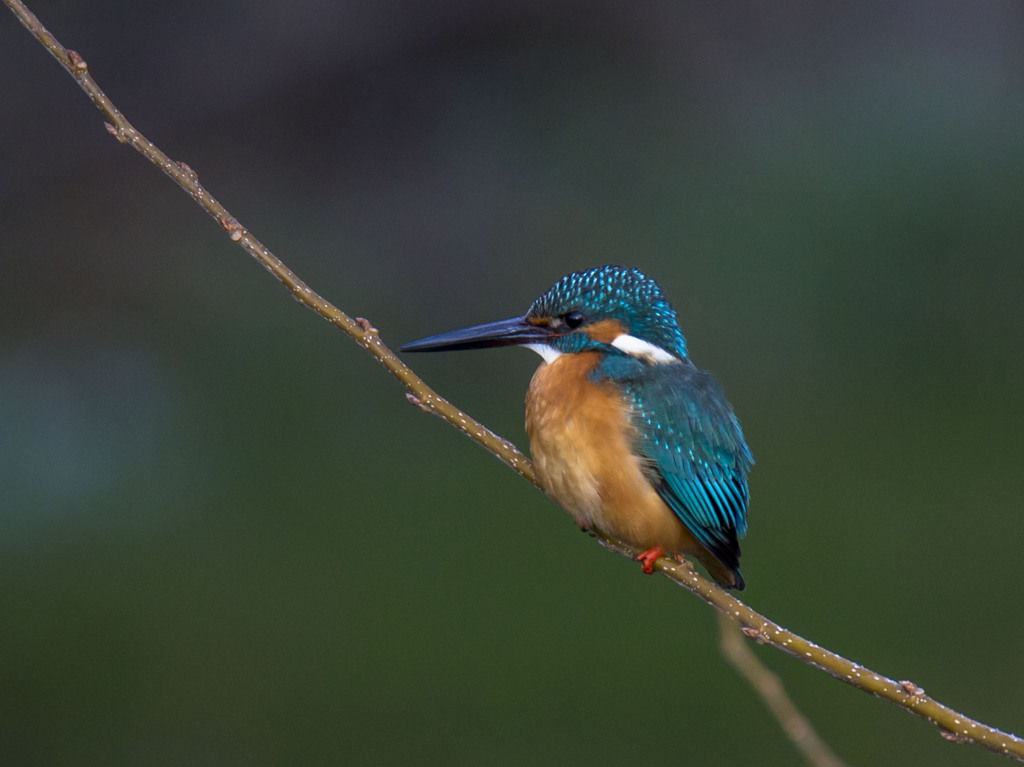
(547, 352)
(645, 350)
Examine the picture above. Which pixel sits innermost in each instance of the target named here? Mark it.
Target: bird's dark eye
(575, 319)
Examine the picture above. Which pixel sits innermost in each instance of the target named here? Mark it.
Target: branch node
(911, 689)
(116, 132)
(188, 169)
(954, 737)
(77, 62)
(366, 326)
(414, 400)
(756, 634)
(232, 227)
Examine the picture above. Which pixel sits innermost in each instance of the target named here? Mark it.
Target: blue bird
(626, 433)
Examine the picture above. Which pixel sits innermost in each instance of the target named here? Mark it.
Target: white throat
(546, 351)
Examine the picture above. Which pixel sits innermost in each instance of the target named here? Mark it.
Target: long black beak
(513, 332)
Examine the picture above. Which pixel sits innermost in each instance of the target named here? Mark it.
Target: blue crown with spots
(619, 293)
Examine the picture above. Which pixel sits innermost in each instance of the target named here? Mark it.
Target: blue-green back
(696, 456)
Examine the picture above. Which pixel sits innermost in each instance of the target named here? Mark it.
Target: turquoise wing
(693, 447)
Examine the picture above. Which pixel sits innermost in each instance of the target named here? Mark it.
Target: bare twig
(768, 685)
(954, 726)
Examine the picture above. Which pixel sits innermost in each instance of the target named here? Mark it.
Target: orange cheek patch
(605, 331)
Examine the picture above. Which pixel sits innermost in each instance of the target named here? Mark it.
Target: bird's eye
(575, 319)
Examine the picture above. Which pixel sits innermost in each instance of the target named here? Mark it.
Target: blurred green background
(225, 537)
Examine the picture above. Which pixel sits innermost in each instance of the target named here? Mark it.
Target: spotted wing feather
(696, 457)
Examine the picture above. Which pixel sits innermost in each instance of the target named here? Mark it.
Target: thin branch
(358, 329)
(953, 725)
(768, 685)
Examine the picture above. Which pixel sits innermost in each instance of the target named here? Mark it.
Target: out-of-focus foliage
(225, 538)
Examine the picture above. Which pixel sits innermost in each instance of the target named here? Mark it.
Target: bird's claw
(647, 559)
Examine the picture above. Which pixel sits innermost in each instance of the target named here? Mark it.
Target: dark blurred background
(225, 537)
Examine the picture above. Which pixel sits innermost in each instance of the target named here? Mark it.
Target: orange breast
(582, 445)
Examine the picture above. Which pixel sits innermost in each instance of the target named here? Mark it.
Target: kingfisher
(626, 433)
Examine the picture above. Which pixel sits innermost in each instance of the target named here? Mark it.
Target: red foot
(646, 559)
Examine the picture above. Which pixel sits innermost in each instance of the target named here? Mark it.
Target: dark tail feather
(740, 584)
(723, 562)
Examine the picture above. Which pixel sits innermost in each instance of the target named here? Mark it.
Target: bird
(626, 433)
